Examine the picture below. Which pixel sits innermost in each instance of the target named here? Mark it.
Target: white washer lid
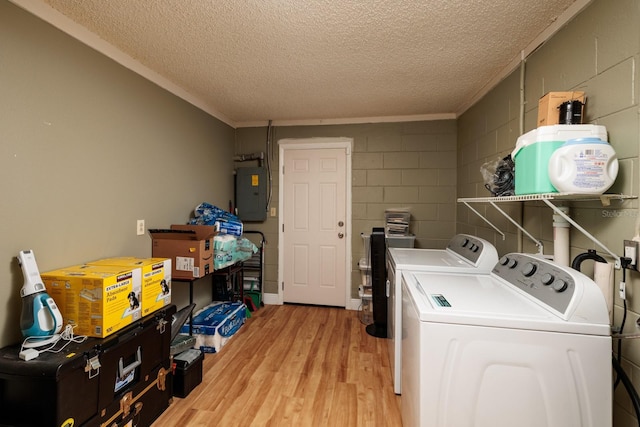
(464, 254)
(428, 260)
(481, 300)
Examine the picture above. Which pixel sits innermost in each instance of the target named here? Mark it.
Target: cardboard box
(156, 279)
(189, 247)
(98, 300)
(548, 113)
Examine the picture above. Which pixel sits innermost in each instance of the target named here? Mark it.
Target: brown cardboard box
(548, 113)
(189, 247)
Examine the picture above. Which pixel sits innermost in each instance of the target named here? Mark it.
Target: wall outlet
(140, 227)
(273, 211)
(631, 251)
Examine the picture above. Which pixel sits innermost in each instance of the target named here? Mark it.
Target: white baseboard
(272, 299)
(354, 304)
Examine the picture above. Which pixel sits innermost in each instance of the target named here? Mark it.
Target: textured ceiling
(249, 61)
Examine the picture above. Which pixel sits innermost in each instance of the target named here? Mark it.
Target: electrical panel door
(251, 193)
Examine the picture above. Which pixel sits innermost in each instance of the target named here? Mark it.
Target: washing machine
(464, 254)
(528, 345)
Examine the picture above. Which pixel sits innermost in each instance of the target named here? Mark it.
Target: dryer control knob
(529, 269)
(512, 263)
(504, 260)
(547, 279)
(465, 242)
(560, 286)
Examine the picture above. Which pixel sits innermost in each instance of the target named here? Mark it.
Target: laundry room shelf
(548, 199)
(604, 198)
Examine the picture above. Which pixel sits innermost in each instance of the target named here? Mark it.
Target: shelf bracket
(485, 220)
(538, 243)
(605, 199)
(585, 232)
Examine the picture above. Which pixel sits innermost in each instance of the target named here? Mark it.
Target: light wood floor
(294, 365)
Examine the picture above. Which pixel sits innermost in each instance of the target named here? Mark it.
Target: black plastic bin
(187, 373)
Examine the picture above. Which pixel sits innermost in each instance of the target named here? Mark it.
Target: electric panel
(251, 193)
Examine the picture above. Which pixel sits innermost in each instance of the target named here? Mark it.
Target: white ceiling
(315, 61)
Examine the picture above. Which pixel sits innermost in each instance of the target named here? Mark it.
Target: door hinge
(283, 228)
(283, 286)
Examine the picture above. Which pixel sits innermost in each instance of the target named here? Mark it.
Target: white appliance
(528, 345)
(464, 254)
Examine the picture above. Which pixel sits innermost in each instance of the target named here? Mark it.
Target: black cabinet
(126, 376)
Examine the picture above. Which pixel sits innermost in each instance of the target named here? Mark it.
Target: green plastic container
(256, 297)
(531, 162)
(534, 149)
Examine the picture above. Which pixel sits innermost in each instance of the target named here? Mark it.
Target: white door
(314, 224)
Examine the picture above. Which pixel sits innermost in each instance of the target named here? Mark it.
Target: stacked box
(397, 221)
(156, 279)
(189, 247)
(548, 112)
(97, 300)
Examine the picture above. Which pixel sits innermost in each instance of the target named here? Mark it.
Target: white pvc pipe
(603, 276)
(561, 230)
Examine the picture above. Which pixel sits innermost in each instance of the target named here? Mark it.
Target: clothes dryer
(528, 345)
(464, 254)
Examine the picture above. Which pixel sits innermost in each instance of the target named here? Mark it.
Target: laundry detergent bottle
(584, 166)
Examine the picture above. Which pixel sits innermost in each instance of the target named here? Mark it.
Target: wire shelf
(604, 198)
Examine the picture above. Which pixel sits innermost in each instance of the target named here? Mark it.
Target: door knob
(340, 235)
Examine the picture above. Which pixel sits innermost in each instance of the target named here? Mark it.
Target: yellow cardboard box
(98, 300)
(548, 112)
(156, 279)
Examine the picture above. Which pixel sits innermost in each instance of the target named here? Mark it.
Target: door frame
(315, 144)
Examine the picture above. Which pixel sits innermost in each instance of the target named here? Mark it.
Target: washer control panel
(468, 247)
(549, 283)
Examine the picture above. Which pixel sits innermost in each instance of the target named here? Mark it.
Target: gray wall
(394, 165)
(87, 148)
(597, 53)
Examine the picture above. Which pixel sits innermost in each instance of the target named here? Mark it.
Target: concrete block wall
(597, 52)
(411, 164)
